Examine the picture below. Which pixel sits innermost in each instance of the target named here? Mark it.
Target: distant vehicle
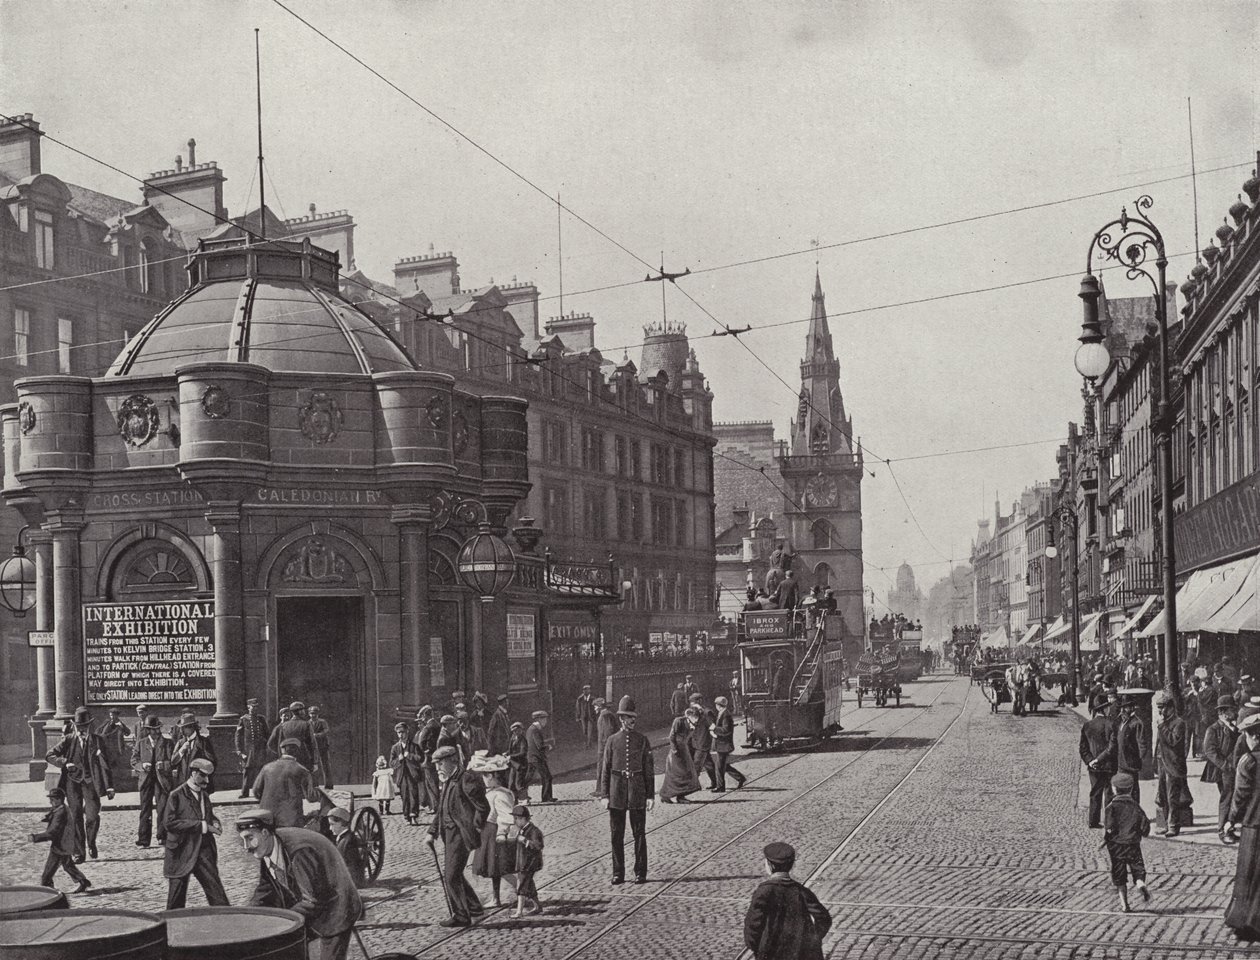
(792, 673)
(902, 639)
(879, 676)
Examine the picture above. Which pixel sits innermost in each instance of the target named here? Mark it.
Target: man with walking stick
(461, 810)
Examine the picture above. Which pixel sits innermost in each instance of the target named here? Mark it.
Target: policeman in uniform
(627, 784)
(251, 743)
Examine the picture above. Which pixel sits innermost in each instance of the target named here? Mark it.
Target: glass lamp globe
(1052, 552)
(1092, 359)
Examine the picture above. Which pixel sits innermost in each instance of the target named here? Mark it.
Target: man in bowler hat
(785, 920)
(151, 761)
(626, 784)
(85, 775)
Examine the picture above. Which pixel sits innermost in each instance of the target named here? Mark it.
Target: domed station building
(265, 496)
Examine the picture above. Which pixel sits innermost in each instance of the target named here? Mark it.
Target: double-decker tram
(899, 639)
(792, 673)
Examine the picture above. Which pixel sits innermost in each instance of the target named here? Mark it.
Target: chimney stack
(192, 152)
(19, 147)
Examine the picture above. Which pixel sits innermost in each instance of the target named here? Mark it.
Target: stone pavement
(933, 829)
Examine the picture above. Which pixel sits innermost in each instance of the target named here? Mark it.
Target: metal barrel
(234, 933)
(82, 935)
(27, 899)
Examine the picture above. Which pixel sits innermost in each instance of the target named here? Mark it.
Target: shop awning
(1134, 620)
(1089, 631)
(1243, 608)
(1057, 629)
(1186, 593)
(998, 638)
(1030, 633)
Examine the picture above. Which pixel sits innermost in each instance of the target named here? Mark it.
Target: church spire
(820, 426)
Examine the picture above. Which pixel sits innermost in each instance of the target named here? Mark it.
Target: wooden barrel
(26, 899)
(82, 935)
(234, 933)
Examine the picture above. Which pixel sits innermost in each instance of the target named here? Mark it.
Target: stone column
(229, 639)
(413, 530)
(67, 610)
(45, 664)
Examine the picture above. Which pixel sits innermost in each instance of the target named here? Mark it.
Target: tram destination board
(149, 652)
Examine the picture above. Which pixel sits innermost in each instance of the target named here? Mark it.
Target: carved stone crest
(26, 417)
(316, 562)
(214, 402)
(435, 410)
(138, 420)
(320, 419)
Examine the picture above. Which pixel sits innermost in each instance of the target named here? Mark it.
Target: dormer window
(44, 252)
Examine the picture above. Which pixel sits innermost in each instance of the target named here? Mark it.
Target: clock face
(821, 492)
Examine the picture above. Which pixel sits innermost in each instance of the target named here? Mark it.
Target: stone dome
(272, 303)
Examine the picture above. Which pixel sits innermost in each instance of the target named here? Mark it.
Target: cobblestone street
(930, 830)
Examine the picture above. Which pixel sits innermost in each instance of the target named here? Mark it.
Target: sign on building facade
(522, 629)
(155, 652)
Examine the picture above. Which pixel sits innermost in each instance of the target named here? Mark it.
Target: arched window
(146, 268)
(821, 535)
(822, 575)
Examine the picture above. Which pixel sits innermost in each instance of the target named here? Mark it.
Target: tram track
(791, 759)
(1111, 947)
(693, 809)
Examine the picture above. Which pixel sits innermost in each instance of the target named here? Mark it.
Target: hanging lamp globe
(17, 582)
(486, 564)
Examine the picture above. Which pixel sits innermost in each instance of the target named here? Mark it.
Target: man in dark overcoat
(151, 762)
(1208, 698)
(298, 728)
(702, 741)
(1129, 736)
(192, 745)
(427, 734)
(461, 812)
(499, 729)
(85, 775)
(283, 785)
(191, 828)
(536, 747)
(584, 713)
(605, 725)
(1219, 745)
(1098, 753)
(785, 920)
(1172, 798)
(114, 734)
(321, 730)
(251, 743)
(626, 784)
(301, 870)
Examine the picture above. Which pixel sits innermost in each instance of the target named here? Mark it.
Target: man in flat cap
(499, 729)
(251, 743)
(785, 920)
(321, 730)
(1221, 760)
(193, 744)
(626, 784)
(301, 870)
(536, 747)
(151, 761)
(461, 812)
(451, 735)
(299, 729)
(584, 713)
(283, 785)
(428, 730)
(85, 775)
(191, 828)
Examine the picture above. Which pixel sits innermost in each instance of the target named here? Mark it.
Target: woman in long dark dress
(1243, 913)
(495, 857)
(681, 778)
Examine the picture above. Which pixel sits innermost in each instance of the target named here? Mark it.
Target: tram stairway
(809, 670)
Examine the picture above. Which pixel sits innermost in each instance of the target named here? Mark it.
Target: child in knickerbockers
(529, 859)
(1125, 824)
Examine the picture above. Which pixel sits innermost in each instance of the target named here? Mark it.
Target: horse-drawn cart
(878, 678)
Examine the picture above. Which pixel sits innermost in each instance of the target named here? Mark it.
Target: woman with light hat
(1243, 913)
(495, 857)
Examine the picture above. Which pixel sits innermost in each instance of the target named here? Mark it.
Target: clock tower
(821, 467)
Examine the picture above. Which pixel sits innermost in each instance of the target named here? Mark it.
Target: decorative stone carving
(316, 562)
(459, 433)
(26, 417)
(320, 420)
(214, 402)
(138, 420)
(435, 411)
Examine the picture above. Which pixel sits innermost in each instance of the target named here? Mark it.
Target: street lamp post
(1129, 240)
(1067, 518)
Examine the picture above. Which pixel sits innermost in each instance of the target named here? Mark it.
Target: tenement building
(620, 456)
(1218, 534)
(266, 496)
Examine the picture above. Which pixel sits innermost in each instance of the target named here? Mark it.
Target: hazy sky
(718, 132)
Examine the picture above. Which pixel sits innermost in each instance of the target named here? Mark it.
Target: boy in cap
(60, 834)
(529, 860)
(1125, 824)
(785, 920)
(536, 747)
(191, 827)
(347, 844)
